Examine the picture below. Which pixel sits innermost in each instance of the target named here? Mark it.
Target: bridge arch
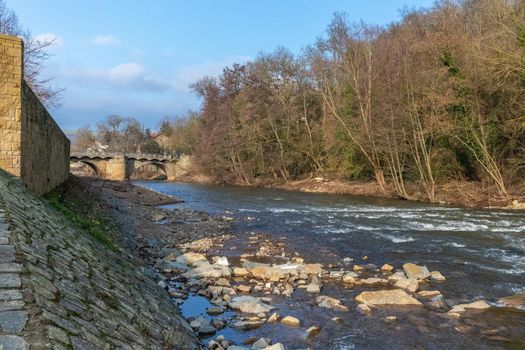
(140, 165)
(90, 164)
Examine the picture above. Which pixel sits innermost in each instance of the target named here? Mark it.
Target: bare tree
(35, 56)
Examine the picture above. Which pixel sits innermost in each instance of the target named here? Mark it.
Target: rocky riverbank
(249, 291)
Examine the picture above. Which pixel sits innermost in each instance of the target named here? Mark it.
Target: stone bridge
(119, 166)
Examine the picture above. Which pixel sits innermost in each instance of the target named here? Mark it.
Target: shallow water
(481, 252)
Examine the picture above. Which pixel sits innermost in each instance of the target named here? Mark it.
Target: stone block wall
(11, 58)
(32, 145)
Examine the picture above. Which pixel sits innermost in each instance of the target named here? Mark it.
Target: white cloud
(105, 40)
(127, 76)
(126, 72)
(55, 40)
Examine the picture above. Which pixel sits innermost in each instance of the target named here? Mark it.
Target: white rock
(222, 261)
(249, 304)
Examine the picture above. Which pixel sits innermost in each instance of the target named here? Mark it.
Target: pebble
(363, 308)
(437, 276)
(291, 321)
(243, 288)
(387, 268)
(312, 331)
(274, 318)
(207, 329)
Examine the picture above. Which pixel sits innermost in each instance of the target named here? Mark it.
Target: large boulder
(516, 301)
(172, 266)
(416, 271)
(207, 270)
(269, 273)
(409, 284)
(190, 258)
(250, 305)
(331, 303)
(386, 297)
(459, 309)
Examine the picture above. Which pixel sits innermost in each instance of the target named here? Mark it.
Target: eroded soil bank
(241, 288)
(470, 194)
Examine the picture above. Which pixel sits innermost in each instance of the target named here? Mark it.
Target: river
(481, 252)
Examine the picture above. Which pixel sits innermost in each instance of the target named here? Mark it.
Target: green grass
(92, 226)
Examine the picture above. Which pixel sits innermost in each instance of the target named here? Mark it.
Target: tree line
(437, 96)
(116, 134)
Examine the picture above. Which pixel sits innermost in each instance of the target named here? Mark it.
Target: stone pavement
(62, 289)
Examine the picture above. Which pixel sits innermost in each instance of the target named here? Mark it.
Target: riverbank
(469, 194)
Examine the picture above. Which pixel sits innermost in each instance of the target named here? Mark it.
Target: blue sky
(137, 57)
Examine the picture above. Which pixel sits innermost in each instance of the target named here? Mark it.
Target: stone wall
(62, 289)
(32, 146)
(11, 49)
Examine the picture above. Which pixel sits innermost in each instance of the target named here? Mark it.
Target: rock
(516, 301)
(390, 319)
(288, 290)
(415, 271)
(215, 310)
(277, 346)
(348, 260)
(331, 303)
(349, 278)
(437, 276)
(387, 268)
(205, 269)
(239, 271)
(168, 266)
(260, 344)
(479, 305)
(222, 261)
(249, 265)
(291, 321)
(409, 284)
(237, 347)
(363, 309)
(312, 332)
(248, 304)
(386, 297)
(337, 319)
(336, 274)
(191, 258)
(313, 269)
(437, 302)
(397, 276)
(195, 324)
(274, 318)
(313, 288)
(358, 268)
(206, 329)
(429, 293)
(243, 288)
(247, 325)
(223, 282)
(218, 322)
(269, 273)
(373, 281)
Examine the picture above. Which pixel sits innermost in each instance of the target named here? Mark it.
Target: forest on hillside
(437, 96)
